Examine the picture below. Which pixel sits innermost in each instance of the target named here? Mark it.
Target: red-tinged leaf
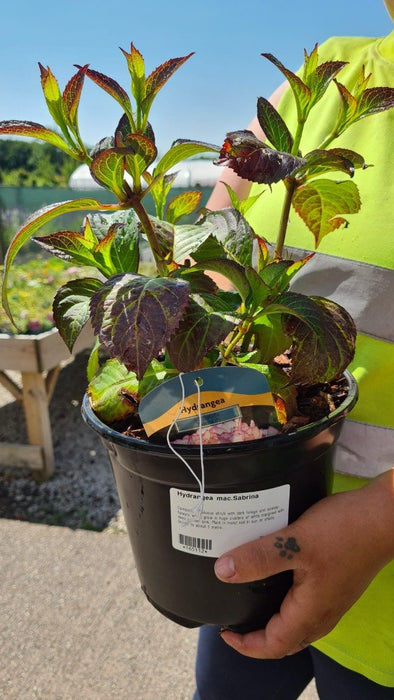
(107, 168)
(182, 205)
(199, 331)
(323, 342)
(37, 131)
(52, 95)
(103, 250)
(320, 80)
(252, 160)
(348, 107)
(374, 100)
(71, 98)
(161, 74)
(111, 392)
(310, 64)
(300, 90)
(321, 161)
(135, 317)
(322, 203)
(112, 87)
(136, 66)
(141, 152)
(273, 126)
(71, 307)
(68, 245)
(355, 158)
(34, 222)
(181, 150)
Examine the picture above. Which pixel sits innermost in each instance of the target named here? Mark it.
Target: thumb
(268, 555)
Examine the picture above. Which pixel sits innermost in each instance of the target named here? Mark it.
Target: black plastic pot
(182, 585)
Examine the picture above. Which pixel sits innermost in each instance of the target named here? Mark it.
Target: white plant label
(227, 520)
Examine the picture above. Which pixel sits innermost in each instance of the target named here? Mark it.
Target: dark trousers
(223, 674)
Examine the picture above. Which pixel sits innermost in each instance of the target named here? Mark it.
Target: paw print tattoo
(288, 547)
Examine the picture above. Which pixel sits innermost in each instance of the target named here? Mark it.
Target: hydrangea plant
(153, 327)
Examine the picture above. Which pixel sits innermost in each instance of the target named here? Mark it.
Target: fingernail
(225, 567)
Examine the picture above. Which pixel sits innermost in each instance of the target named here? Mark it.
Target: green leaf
(37, 131)
(269, 337)
(125, 248)
(134, 316)
(182, 205)
(136, 66)
(53, 96)
(112, 390)
(321, 78)
(273, 126)
(71, 307)
(233, 232)
(229, 269)
(69, 245)
(259, 290)
(300, 91)
(321, 204)
(200, 331)
(107, 168)
(34, 222)
(181, 150)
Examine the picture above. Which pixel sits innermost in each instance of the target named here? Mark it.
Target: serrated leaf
(109, 390)
(253, 160)
(134, 316)
(71, 98)
(321, 78)
(233, 232)
(103, 250)
(68, 245)
(322, 203)
(323, 346)
(107, 169)
(182, 205)
(37, 131)
(374, 100)
(125, 248)
(34, 222)
(111, 87)
(159, 77)
(199, 332)
(181, 150)
(71, 307)
(301, 91)
(322, 161)
(273, 126)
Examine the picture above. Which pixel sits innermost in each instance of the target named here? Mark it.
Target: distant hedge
(33, 164)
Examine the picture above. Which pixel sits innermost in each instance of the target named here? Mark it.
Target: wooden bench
(38, 358)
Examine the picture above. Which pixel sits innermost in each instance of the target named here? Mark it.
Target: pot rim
(305, 431)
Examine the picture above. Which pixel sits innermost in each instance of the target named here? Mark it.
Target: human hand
(334, 549)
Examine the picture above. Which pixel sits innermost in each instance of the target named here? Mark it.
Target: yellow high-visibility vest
(354, 266)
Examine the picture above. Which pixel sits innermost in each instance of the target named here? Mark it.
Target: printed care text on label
(227, 519)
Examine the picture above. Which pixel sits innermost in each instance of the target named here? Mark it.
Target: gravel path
(81, 493)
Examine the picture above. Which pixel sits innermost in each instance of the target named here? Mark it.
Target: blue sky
(214, 92)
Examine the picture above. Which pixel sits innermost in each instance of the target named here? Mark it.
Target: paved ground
(76, 626)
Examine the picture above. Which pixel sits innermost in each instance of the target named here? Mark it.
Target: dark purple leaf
(252, 160)
(135, 317)
(71, 307)
(273, 126)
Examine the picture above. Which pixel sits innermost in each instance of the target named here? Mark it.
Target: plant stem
(290, 184)
(240, 333)
(151, 236)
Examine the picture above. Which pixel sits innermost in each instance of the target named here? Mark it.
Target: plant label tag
(227, 519)
(212, 396)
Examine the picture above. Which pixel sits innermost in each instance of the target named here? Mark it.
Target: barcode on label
(195, 542)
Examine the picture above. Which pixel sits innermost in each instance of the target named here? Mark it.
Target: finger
(261, 558)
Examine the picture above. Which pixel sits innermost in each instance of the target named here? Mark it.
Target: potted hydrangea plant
(220, 409)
